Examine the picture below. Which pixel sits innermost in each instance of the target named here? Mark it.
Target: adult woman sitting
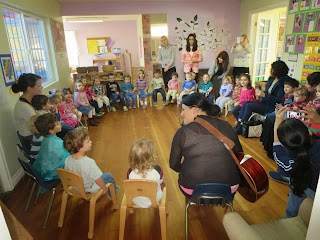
(166, 56)
(294, 150)
(273, 94)
(218, 70)
(196, 154)
(241, 52)
(191, 56)
(30, 85)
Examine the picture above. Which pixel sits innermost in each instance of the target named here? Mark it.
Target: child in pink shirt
(247, 93)
(173, 86)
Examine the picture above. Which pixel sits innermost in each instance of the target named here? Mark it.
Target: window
(72, 48)
(27, 43)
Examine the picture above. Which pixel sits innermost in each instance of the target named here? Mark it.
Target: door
(267, 26)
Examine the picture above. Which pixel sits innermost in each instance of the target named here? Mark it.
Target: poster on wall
(309, 21)
(311, 61)
(300, 42)
(289, 43)
(293, 6)
(58, 36)
(298, 22)
(7, 69)
(304, 5)
(315, 4)
(318, 22)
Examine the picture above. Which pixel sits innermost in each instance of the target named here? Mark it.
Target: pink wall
(222, 14)
(125, 39)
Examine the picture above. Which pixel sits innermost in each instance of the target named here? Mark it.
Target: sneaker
(99, 114)
(155, 104)
(129, 107)
(238, 128)
(275, 176)
(144, 106)
(172, 101)
(117, 192)
(166, 103)
(134, 107)
(113, 109)
(125, 109)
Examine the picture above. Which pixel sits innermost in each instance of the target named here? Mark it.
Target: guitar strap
(229, 144)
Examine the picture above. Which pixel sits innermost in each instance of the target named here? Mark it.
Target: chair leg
(113, 196)
(226, 109)
(138, 103)
(30, 196)
(150, 101)
(123, 214)
(187, 222)
(91, 217)
(38, 193)
(63, 208)
(49, 208)
(163, 222)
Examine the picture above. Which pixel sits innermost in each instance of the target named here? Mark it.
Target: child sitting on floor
(78, 143)
(142, 159)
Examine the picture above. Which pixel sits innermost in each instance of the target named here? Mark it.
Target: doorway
(267, 35)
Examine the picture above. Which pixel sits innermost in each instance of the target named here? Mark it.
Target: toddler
(225, 91)
(142, 87)
(173, 86)
(188, 86)
(48, 126)
(205, 87)
(235, 93)
(142, 158)
(314, 128)
(158, 83)
(78, 143)
(127, 88)
(247, 93)
(36, 137)
(41, 103)
(82, 104)
(91, 98)
(68, 105)
(113, 92)
(99, 92)
(301, 95)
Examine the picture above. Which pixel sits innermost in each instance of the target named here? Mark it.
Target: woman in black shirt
(196, 154)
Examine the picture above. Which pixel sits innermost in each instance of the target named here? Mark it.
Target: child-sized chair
(73, 185)
(145, 188)
(149, 98)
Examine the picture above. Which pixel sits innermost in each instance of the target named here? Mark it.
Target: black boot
(95, 119)
(238, 128)
(92, 122)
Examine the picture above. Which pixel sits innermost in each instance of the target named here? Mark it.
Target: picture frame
(7, 69)
(300, 43)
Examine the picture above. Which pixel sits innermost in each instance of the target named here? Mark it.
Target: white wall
(8, 139)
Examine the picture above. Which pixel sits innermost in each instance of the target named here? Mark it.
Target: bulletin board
(98, 45)
(305, 38)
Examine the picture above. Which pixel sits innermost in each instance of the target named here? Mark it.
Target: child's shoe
(144, 106)
(99, 114)
(117, 192)
(155, 104)
(113, 109)
(134, 107)
(92, 122)
(129, 107)
(166, 103)
(125, 109)
(172, 101)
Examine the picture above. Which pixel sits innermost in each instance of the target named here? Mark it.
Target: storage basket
(82, 69)
(93, 69)
(108, 68)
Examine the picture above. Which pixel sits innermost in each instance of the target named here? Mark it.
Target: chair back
(26, 157)
(140, 188)
(72, 183)
(212, 194)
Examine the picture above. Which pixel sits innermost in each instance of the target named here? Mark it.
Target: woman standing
(196, 154)
(191, 56)
(242, 52)
(218, 70)
(166, 57)
(30, 85)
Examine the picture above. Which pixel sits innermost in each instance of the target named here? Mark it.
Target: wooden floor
(111, 143)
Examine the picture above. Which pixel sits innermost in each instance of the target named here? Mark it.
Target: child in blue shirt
(127, 88)
(205, 87)
(188, 86)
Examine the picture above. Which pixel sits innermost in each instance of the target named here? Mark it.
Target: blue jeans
(133, 98)
(115, 97)
(236, 111)
(294, 202)
(249, 107)
(108, 178)
(155, 92)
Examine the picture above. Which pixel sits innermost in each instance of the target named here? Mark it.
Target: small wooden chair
(145, 188)
(73, 185)
(148, 98)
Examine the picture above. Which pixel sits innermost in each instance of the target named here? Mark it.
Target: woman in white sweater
(242, 51)
(30, 85)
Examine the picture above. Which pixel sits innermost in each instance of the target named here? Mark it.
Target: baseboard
(17, 177)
